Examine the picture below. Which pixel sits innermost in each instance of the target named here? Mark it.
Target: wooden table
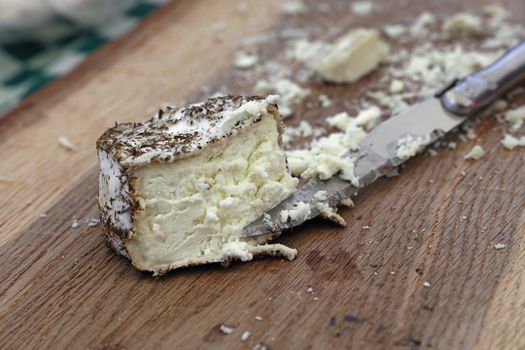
(61, 287)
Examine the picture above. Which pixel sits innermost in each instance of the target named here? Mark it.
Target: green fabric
(25, 67)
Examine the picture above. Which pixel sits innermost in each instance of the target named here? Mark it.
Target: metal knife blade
(425, 122)
(376, 156)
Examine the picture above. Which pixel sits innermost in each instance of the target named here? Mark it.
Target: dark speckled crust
(127, 142)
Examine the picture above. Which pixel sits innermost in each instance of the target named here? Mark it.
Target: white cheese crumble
(475, 153)
(300, 211)
(245, 335)
(367, 118)
(498, 246)
(244, 60)
(394, 31)
(324, 101)
(409, 145)
(294, 7)
(426, 284)
(350, 57)
(303, 50)
(289, 93)
(226, 329)
(396, 86)
(462, 24)
(304, 129)
(511, 142)
(516, 117)
(66, 143)
(362, 8)
(419, 28)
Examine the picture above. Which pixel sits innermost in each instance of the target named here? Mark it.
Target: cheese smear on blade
(178, 190)
(350, 57)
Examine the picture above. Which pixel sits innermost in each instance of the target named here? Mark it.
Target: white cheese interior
(194, 209)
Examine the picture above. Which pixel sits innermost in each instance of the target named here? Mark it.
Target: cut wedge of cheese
(178, 189)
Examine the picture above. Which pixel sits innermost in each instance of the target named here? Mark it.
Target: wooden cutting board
(61, 287)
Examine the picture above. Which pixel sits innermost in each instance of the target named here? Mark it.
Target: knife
(377, 154)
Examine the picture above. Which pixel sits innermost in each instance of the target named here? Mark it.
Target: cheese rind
(178, 189)
(350, 57)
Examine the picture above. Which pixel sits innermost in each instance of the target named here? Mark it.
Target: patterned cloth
(27, 66)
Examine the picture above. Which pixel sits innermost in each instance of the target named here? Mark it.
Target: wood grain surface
(61, 287)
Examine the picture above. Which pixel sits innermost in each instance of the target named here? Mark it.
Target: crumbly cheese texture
(178, 190)
(350, 57)
(510, 142)
(477, 152)
(408, 146)
(290, 94)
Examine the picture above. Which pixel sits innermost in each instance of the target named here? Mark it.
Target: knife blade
(379, 152)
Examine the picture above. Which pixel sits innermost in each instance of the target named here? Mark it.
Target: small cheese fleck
(299, 211)
(426, 284)
(362, 8)
(226, 329)
(409, 145)
(245, 335)
(350, 57)
(500, 246)
(304, 129)
(396, 86)
(289, 93)
(475, 153)
(66, 143)
(419, 28)
(510, 142)
(245, 60)
(294, 7)
(258, 318)
(324, 101)
(394, 31)
(462, 24)
(516, 117)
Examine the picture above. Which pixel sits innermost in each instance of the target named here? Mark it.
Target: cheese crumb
(350, 57)
(396, 86)
(362, 8)
(500, 246)
(426, 284)
(510, 142)
(226, 329)
(324, 101)
(516, 117)
(258, 318)
(245, 60)
(419, 28)
(66, 143)
(289, 93)
(409, 145)
(462, 24)
(394, 31)
(475, 153)
(245, 335)
(294, 7)
(299, 212)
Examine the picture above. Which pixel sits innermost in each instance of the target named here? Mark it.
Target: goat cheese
(516, 117)
(511, 142)
(167, 186)
(350, 57)
(462, 24)
(475, 153)
(290, 93)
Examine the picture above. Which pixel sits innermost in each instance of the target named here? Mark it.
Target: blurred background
(41, 40)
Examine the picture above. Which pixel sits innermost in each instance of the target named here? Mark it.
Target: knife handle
(479, 89)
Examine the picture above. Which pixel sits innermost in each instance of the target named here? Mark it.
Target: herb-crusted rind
(173, 133)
